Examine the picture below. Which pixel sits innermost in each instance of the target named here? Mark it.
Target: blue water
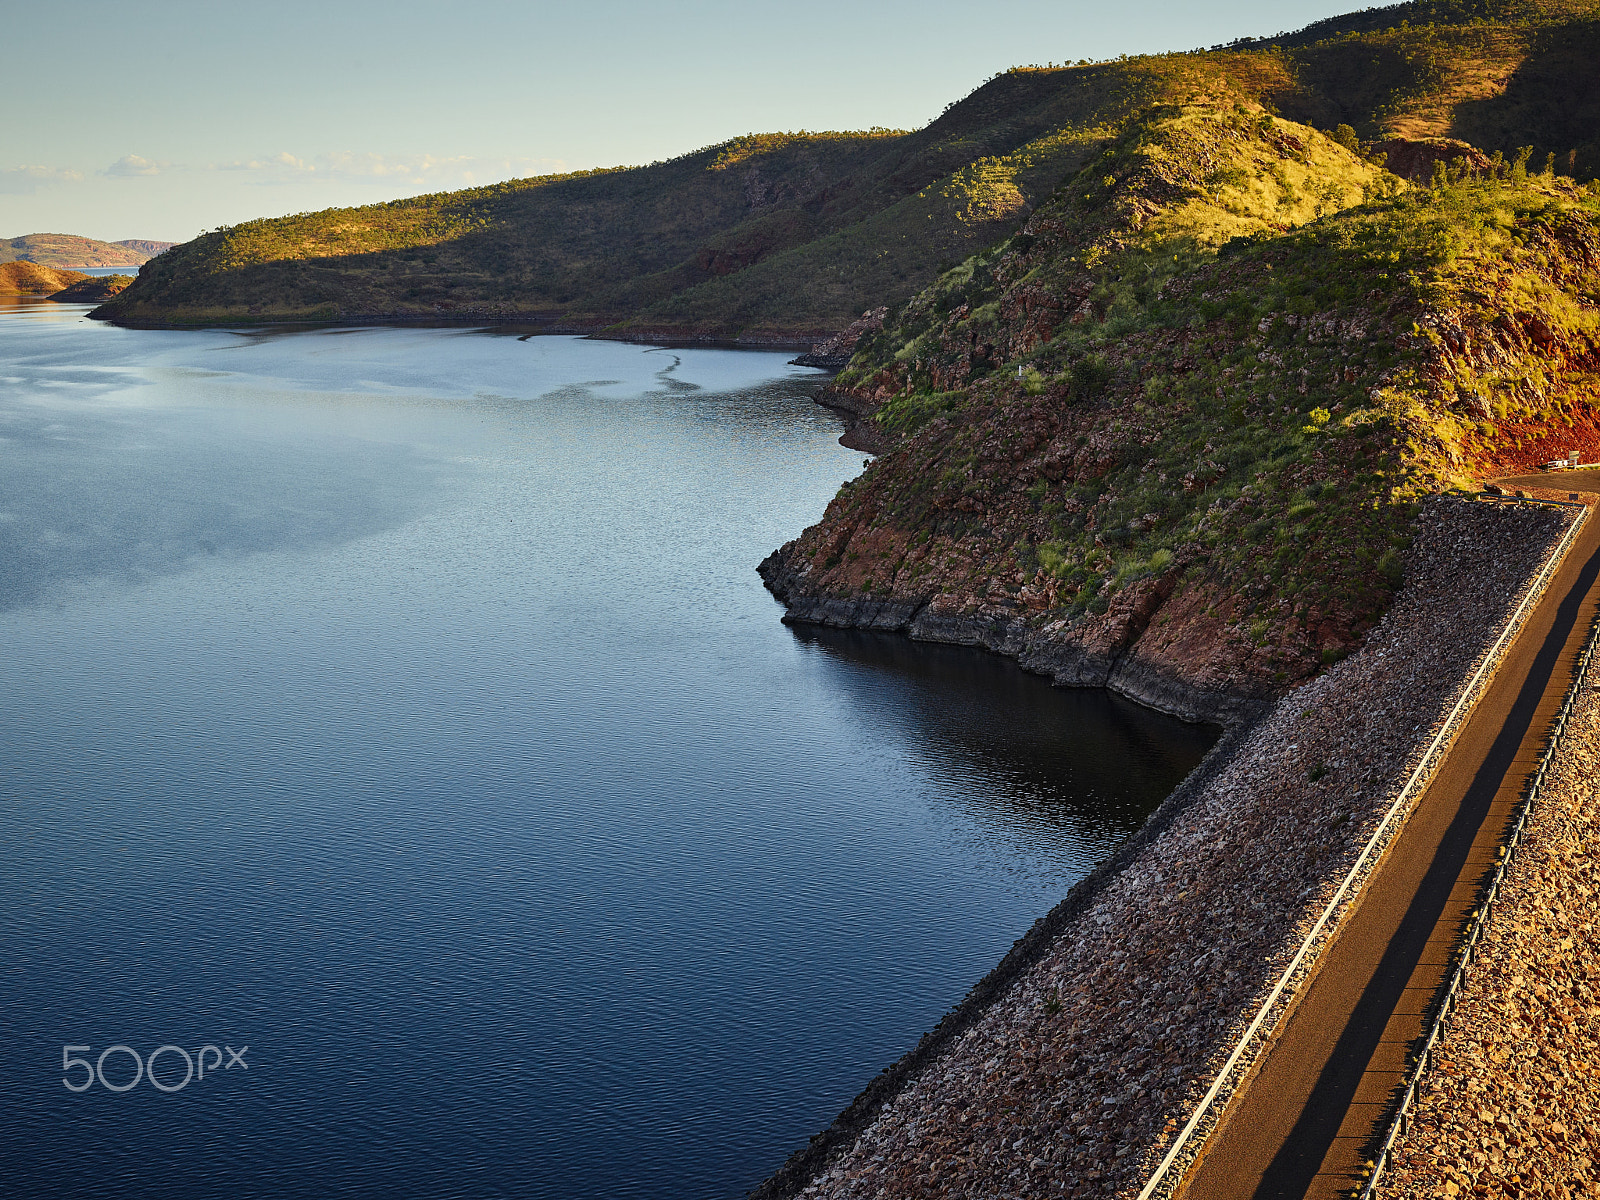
(403, 705)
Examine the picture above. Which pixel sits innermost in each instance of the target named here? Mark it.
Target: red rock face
(941, 537)
(1523, 379)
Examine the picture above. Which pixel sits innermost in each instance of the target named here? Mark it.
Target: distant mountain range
(68, 250)
(146, 247)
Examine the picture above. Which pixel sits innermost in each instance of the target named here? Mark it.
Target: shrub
(1391, 568)
(1090, 375)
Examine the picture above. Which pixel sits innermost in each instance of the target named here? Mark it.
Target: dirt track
(1303, 1124)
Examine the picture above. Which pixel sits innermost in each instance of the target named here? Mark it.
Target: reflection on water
(1051, 759)
(404, 704)
(95, 495)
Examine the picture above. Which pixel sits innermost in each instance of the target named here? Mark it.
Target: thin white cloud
(131, 166)
(421, 170)
(284, 164)
(24, 181)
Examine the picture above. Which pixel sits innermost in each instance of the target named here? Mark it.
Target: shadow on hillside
(1551, 102)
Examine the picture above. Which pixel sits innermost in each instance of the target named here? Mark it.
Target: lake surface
(403, 705)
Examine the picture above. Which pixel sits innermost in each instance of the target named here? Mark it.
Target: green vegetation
(731, 154)
(794, 234)
(1228, 351)
(92, 289)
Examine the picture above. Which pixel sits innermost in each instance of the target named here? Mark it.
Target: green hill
(1176, 426)
(68, 250)
(785, 236)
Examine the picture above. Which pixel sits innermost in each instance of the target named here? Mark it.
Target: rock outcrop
(145, 247)
(833, 353)
(1184, 671)
(1414, 159)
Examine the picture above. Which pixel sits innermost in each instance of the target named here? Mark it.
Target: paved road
(1303, 1126)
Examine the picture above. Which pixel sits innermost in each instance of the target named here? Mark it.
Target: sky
(164, 118)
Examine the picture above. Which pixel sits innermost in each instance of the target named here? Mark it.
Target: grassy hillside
(68, 250)
(791, 235)
(30, 279)
(1191, 403)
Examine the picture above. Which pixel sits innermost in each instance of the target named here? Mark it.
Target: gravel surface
(1074, 1080)
(1510, 1105)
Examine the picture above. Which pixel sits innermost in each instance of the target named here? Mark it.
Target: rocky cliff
(145, 247)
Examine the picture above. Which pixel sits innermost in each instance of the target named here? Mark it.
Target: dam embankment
(1071, 1068)
(1308, 1120)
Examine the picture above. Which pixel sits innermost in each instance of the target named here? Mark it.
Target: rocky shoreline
(833, 352)
(1108, 651)
(1069, 1069)
(1510, 1103)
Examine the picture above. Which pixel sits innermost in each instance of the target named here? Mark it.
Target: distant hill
(68, 250)
(147, 248)
(30, 279)
(784, 236)
(92, 289)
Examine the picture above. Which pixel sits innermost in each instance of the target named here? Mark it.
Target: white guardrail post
(1442, 741)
